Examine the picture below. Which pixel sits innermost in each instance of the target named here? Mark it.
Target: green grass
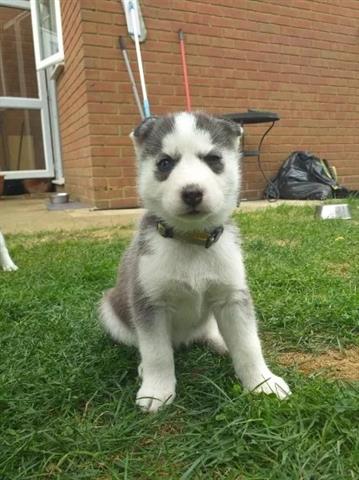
(67, 393)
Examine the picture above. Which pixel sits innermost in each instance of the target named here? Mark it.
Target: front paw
(153, 395)
(268, 383)
(9, 266)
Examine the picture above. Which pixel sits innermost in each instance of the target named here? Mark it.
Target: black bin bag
(304, 176)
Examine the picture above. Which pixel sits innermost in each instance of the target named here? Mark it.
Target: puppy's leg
(157, 364)
(210, 335)
(5, 259)
(237, 323)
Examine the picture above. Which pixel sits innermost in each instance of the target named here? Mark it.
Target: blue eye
(165, 164)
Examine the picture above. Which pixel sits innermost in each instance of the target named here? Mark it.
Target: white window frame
(25, 103)
(57, 57)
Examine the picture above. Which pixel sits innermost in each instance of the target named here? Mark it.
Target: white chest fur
(177, 271)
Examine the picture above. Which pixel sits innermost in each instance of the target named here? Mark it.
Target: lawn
(67, 392)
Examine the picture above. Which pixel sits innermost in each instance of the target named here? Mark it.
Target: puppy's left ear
(140, 133)
(232, 128)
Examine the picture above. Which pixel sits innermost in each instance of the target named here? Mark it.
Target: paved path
(31, 215)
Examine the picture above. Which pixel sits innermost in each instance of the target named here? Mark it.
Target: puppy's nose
(192, 195)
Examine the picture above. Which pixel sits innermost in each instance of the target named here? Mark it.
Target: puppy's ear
(140, 133)
(232, 128)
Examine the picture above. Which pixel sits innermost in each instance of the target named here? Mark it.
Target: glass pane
(17, 63)
(21, 146)
(48, 31)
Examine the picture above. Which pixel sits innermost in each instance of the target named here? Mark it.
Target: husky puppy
(182, 278)
(5, 260)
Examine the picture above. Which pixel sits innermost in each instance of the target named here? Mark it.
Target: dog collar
(201, 237)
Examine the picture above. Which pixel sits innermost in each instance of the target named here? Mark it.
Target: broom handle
(146, 105)
(185, 73)
(130, 74)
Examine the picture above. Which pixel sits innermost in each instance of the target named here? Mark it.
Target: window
(46, 25)
(25, 128)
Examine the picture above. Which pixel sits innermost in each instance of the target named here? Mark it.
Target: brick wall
(297, 58)
(74, 108)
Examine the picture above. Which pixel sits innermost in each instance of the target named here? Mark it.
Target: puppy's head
(188, 168)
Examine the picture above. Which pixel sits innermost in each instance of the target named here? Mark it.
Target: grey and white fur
(5, 260)
(171, 291)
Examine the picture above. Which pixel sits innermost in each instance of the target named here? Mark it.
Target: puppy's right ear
(140, 133)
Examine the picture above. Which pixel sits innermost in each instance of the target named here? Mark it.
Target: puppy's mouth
(194, 213)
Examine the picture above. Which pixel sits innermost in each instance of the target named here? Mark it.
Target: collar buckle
(214, 236)
(165, 231)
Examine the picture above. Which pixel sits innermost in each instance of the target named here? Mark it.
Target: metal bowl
(330, 212)
(57, 198)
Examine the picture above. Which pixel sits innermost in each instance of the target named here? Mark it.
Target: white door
(25, 135)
